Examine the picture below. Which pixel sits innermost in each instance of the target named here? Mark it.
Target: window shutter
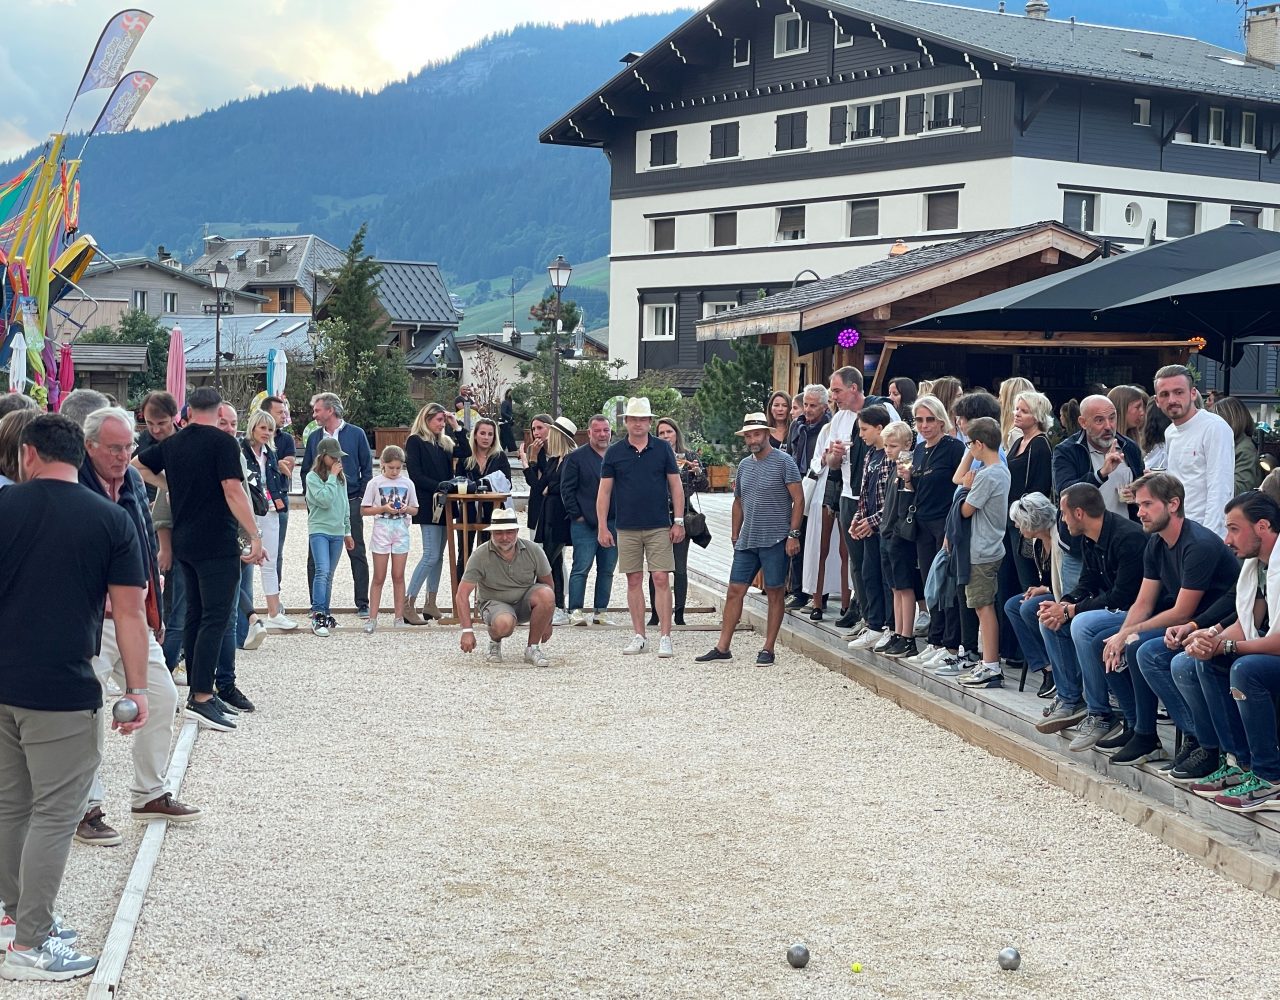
(782, 127)
(731, 139)
(800, 130)
(839, 124)
(717, 142)
(669, 148)
(1230, 131)
(915, 114)
(655, 150)
(890, 111)
(791, 219)
(971, 110)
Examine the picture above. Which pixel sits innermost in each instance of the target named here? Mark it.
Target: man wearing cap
(768, 506)
(512, 579)
(648, 489)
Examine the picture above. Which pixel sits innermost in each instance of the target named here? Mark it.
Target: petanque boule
(1009, 959)
(124, 710)
(798, 956)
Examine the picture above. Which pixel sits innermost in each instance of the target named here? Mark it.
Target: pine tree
(732, 389)
(354, 299)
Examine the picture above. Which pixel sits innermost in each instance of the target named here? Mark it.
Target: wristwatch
(679, 521)
(1229, 647)
(135, 690)
(794, 533)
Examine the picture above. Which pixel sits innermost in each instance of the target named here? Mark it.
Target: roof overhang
(1051, 236)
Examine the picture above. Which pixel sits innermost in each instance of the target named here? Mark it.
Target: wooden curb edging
(115, 951)
(1215, 850)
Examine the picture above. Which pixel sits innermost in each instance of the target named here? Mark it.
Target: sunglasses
(926, 420)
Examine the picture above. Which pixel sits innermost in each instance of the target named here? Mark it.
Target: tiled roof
(526, 345)
(415, 292)
(100, 267)
(109, 357)
(686, 380)
(249, 337)
(308, 259)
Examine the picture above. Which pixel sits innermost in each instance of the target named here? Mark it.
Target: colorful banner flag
(116, 44)
(123, 103)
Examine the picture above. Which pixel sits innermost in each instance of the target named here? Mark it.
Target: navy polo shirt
(640, 489)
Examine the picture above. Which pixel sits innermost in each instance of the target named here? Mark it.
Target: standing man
(768, 506)
(579, 484)
(286, 459)
(160, 414)
(801, 445)
(83, 550)
(648, 488)
(1201, 448)
(201, 467)
(109, 439)
(357, 469)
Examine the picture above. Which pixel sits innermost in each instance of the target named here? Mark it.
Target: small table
(468, 533)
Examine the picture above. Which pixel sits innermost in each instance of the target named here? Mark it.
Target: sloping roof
(109, 357)
(414, 292)
(249, 337)
(686, 380)
(100, 267)
(306, 258)
(423, 355)
(527, 344)
(1008, 41)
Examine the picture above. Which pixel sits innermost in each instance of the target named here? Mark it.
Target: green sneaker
(1251, 795)
(1226, 777)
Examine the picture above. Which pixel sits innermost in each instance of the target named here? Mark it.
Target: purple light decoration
(848, 338)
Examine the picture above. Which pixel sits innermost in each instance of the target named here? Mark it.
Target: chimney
(1262, 34)
(1000, 9)
(241, 260)
(212, 244)
(162, 254)
(264, 247)
(898, 249)
(1038, 10)
(260, 268)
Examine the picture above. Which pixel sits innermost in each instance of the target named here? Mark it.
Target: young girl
(328, 528)
(391, 500)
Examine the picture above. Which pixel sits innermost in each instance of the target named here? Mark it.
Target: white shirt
(1202, 454)
(1120, 476)
(842, 427)
(334, 435)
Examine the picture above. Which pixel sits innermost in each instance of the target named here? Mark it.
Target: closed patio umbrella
(175, 379)
(279, 374)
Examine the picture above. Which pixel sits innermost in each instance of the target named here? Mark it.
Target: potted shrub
(715, 459)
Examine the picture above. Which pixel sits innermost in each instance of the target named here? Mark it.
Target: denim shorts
(748, 562)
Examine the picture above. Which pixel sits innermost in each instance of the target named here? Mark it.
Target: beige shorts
(652, 547)
(522, 610)
(980, 591)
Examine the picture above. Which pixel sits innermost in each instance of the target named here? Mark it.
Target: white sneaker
(865, 641)
(923, 620)
(882, 643)
(495, 650)
(922, 657)
(53, 961)
(576, 617)
(180, 676)
(857, 630)
(280, 621)
(665, 649)
(535, 655)
(257, 632)
(370, 626)
(599, 619)
(938, 658)
(560, 618)
(636, 645)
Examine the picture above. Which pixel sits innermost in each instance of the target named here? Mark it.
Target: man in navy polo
(648, 489)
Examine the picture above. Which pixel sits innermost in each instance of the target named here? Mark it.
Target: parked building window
(286, 299)
(1248, 130)
(792, 131)
(1180, 219)
(171, 302)
(724, 229)
(1217, 126)
(844, 38)
(662, 149)
(710, 309)
(942, 211)
(660, 322)
(1251, 217)
(742, 51)
(724, 140)
(140, 300)
(662, 234)
(790, 35)
(791, 224)
(864, 217)
(1141, 111)
(1079, 210)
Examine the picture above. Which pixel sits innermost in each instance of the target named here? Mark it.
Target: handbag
(909, 527)
(257, 496)
(695, 522)
(809, 484)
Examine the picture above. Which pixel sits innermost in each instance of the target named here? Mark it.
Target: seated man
(512, 580)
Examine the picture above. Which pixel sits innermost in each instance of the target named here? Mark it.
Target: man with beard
(768, 506)
(1201, 448)
(511, 577)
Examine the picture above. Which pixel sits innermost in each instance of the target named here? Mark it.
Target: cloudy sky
(207, 52)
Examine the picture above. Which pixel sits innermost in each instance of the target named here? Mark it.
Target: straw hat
(504, 520)
(638, 406)
(566, 427)
(753, 422)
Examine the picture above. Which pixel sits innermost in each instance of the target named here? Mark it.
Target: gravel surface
(398, 820)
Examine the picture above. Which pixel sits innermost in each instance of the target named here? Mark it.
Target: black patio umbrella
(1080, 299)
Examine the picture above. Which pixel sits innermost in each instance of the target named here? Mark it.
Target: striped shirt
(762, 492)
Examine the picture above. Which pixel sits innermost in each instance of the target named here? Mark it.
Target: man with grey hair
(357, 469)
(109, 439)
(11, 401)
(801, 443)
(79, 403)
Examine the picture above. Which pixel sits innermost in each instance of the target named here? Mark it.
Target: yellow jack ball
(856, 966)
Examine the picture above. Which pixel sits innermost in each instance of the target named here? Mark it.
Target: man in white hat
(768, 506)
(512, 579)
(648, 489)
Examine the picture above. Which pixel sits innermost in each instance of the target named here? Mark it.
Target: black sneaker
(1140, 749)
(206, 713)
(896, 645)
(798, 601)
(715, 653)
(1200, 763)
(234, 697)
(1189, 746)
(230, 711)
(331, 622)
(1048, 687)
(764, 658)
(907, 647)
(1118, 739)
(850, 618)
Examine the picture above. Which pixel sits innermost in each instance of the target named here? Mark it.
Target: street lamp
(218, 278)
(559, 271)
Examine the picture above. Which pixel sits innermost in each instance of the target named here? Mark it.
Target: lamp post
(218, 278)
(559, 271)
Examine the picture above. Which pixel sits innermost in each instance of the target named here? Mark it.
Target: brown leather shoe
(167, 807)
(94, 830)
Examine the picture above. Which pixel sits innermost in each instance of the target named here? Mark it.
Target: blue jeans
(326, 550)
(1026, 626)
(1255, 683)
(1066, 669)
(1206, 689)
(1155, 673)
(428, 569)
(1070, 571)
(1090, 631)
(174, 624)
(587, 550)
(245, 604)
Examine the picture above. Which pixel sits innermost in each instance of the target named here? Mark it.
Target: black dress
(481, 513)
(535, 475)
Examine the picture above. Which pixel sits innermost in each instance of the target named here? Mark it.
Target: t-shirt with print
(196, 461)
(496, 579)
(399, 493)
(65, 546)
(990, 495)
(1198, 560)
(761, 489)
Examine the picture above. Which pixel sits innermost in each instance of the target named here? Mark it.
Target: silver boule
(124, 710)
(1009, 959)
(798, 956)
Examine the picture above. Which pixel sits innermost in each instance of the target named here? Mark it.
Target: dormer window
(1217, 126)
(844, 37)
(742, 51)
(790, 35)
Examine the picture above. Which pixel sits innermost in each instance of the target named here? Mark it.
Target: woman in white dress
(813, 536)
